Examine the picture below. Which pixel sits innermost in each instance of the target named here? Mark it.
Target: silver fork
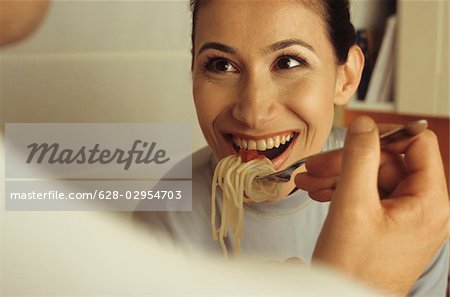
(403, 132)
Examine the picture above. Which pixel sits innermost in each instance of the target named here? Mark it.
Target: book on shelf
(381, 84)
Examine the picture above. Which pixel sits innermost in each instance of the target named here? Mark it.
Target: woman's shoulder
(201, 157)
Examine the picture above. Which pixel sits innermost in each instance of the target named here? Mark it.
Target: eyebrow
(273, 47)
(217, 46)
(289, 42)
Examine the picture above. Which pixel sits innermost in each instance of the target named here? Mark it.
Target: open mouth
(276, 148)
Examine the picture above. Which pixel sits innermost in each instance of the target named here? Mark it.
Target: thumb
(358, 180)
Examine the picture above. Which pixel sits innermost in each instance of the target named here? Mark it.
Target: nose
(256, 102)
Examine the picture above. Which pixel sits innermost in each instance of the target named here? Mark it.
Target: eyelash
(214, 58)
(211, 59)
(303, 61)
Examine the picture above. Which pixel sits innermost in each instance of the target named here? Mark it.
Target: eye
(220, 65)
(289, 62)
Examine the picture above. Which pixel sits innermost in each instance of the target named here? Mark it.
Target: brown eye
(289, 62)
(220, 65)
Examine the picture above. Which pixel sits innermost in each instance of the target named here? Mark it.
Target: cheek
(203, 105)
(209, 104)
(312, 101)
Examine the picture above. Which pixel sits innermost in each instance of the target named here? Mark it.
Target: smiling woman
(255, 85)
(266, 78)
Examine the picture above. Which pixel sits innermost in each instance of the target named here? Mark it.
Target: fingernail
(362, 125)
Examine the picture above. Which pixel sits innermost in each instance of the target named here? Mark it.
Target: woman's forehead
(259, 23)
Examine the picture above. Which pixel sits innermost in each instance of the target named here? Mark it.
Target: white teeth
(244, 144)
(277, 142)
(262, 144)
(251, 145)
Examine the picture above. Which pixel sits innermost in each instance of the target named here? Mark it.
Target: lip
(277, 162)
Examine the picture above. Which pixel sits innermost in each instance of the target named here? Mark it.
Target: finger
(322, 195)
(401, 146)
(329, 163)
(357, 184)
(423, 160)
(422, 153)
(325, 165)
(310, 183)
(321, 176)
(392, 171)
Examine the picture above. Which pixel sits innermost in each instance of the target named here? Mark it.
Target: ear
(349, 75)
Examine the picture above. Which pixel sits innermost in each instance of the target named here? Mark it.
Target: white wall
(103, 61)
(369, 13)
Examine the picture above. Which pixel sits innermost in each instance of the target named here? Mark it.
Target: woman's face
(264, 74)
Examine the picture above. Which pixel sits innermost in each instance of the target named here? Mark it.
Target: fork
(403, 132)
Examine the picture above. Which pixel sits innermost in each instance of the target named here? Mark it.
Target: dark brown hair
(336, 14)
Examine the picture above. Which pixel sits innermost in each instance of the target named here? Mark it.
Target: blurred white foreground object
(111, 258)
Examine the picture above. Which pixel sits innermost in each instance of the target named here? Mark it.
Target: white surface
(103, 26)
(382, 72)
(423, 58)
(103, 61)
(97, 254)
(369, 13)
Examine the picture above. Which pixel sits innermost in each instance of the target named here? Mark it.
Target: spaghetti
(236, 179)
